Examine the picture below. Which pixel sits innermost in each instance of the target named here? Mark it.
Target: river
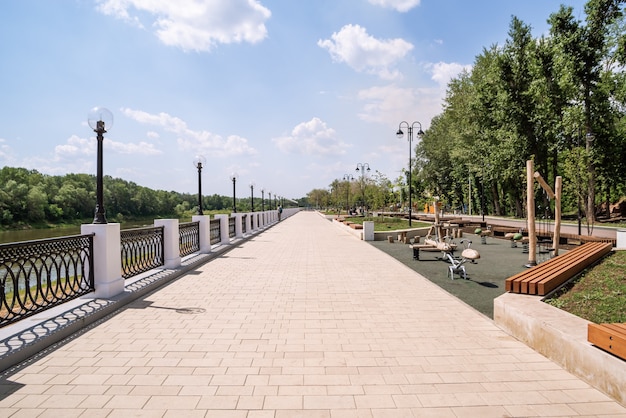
(34, 234)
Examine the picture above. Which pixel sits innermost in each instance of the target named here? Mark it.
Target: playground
(485, 277)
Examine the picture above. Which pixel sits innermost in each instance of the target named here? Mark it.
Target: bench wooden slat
(547, 276)
(513, 283)
(609, 337)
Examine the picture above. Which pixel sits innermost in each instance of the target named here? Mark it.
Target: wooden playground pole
(558, 189)
(556, 195)
(530, 214)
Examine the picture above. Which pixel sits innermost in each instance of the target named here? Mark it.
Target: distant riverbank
(29, 233)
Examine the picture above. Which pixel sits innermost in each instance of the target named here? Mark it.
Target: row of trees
(559, 99)
(28, 197)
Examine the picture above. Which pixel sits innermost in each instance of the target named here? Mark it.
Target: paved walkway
(302, 320)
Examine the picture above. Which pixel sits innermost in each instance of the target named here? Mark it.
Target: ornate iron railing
(38, 275)
(189, 238)
(142, 250)
(231, 227)
(216, 231)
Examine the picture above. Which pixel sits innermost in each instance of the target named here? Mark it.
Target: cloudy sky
(288, 94)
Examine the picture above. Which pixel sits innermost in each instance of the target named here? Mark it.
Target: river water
(33, 234)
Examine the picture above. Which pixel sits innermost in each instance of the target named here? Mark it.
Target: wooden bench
(547, 276)
(609, 337)
(424, 247)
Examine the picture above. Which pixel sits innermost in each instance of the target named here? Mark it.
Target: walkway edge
(561, 337)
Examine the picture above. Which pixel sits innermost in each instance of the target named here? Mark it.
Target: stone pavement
(301, 320)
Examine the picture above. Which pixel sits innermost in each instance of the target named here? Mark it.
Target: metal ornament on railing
(142, 250)
(38, 275)
(188, 238)
(216, 231)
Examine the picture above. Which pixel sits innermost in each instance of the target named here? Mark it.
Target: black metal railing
(216, 231)
(189, 238)
(142, 250)
(38, 275)
(231, 227)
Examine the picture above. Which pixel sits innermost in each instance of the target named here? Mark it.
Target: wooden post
(530, 213)
(558, 189)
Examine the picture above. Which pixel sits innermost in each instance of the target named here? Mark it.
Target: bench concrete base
(561, 337)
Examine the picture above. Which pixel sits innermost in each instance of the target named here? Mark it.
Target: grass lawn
(387, 223)
(599, 295)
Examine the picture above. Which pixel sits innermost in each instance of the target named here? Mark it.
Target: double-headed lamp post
(362, 167)
(400, 134)
(251, 196)
(234, 178)
(99, 119)
(199, 161)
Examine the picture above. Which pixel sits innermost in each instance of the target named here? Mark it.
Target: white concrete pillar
(368, 231)
(205, 232)
(107, 258)
(248, 222)
(255, 221)
(238, 224)
(621, 238)
(225, 238)
(171, 242)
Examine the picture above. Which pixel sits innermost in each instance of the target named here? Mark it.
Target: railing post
(223, 229)
(238, 224)
(171, 242)
(249, 223)
(107, 258)
(205, 232)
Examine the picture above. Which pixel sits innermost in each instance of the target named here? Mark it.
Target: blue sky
(288, 94)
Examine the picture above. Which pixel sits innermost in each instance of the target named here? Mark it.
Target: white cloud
(201, 142)
(5, 151)
(311, 138)
(443, 72)
(195, 25)
(77, 147)
(399, 5)
(364, 53)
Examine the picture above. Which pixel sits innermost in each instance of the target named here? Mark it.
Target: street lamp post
(400, 134)
(362, 167)
(251, 196)
(348, 178)
(199, 161)
(234, 177)
(270, 199)
(262, 200)
(99, 119)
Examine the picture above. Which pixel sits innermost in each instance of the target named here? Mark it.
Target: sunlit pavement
(302, 320)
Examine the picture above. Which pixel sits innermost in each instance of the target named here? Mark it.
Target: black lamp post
(252, 196)
(262, 200)
(348, 178)
(400, 134)
(234, 177)
(270, 199)
(199, 161)
(99, 119)
(362, 167)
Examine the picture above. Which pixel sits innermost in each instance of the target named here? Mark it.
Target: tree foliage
(540, 99)
(28, 197)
